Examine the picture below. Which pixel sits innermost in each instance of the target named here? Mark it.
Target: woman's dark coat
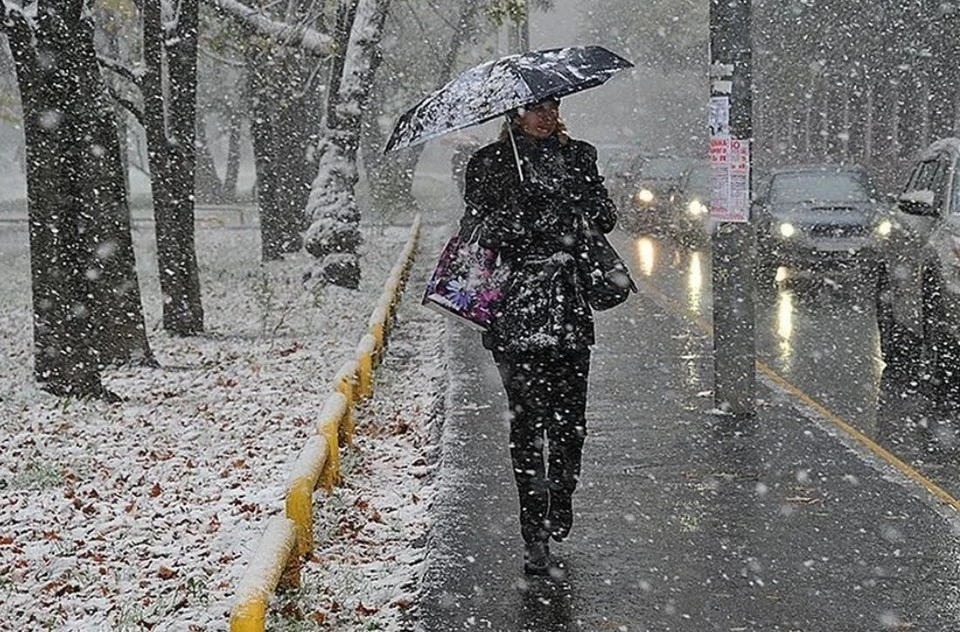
(537, 227)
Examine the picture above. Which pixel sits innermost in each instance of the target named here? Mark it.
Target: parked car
(817, 218)
(646, 202)
(690, 220)
(918, 277)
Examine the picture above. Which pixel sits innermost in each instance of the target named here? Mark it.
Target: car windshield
(817, 187)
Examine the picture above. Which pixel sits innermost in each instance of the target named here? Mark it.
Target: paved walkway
(685, 520)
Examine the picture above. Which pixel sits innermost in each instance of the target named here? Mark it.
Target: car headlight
(696, 208)
(643, 196)
(788, 230)
(884, 228)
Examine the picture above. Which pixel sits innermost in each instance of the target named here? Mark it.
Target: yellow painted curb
(329, 428)
(302, 482)
(365, 351)
(273, 564)
(276, 561)
(345, 383)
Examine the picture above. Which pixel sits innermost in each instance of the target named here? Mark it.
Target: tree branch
(219, 58)
(116, 66)
(297, 36)
(128, 105)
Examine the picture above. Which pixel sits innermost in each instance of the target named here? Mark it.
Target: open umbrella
(496, 87)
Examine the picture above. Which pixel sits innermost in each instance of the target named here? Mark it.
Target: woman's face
(540, 121)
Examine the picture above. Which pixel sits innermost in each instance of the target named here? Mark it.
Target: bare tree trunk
(845, 129)
(209, 188)
(925, 115)
(233, 158)
(86, 296)
(285, 125)
(896, 104)
(170, 121)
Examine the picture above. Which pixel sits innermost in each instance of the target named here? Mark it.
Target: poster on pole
(739, 161)
(729, 167)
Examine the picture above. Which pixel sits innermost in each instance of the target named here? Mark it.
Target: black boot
(560, 515)
(536, 558)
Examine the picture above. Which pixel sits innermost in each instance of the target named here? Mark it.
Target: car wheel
(941, 352)
(898, 346)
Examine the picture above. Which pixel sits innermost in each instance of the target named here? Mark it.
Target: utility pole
(734, 250)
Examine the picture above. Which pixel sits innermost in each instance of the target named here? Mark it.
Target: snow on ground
(142, 515)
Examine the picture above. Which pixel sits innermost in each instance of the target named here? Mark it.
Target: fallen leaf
(291, 610)
(166, 573)
(362, 609)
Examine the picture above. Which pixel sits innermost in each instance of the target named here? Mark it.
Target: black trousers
(547, 395)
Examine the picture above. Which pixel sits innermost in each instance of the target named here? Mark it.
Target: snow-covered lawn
(141, 515)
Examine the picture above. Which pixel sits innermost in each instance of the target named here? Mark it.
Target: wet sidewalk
(685, 520)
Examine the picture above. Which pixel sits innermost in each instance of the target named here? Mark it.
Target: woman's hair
(513, 116)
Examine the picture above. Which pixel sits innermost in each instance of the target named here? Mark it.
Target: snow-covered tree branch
(130, 74)
(296, 36)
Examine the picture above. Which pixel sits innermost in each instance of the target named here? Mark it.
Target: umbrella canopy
(494, 88)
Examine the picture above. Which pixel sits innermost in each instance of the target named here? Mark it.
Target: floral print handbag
(467, 283)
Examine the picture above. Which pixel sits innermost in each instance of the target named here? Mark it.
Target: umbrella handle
(513, 143)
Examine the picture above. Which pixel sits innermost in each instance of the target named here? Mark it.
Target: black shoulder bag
(607, 279)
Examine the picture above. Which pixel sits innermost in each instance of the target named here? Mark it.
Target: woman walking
(542, 335)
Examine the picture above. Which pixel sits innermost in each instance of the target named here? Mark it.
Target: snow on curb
(264, 573)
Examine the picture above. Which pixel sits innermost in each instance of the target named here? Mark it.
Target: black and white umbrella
(496, 87)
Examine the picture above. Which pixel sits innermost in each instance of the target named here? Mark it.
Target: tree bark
(284, 125)
(232, 173)
(334, 235)
(86, 296)
(209, 188)
(170, 122)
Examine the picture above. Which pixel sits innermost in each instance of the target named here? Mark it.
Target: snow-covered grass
(141, 515)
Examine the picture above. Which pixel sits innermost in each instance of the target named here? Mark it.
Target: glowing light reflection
(785, 327)
(647, 253)
(695, 283)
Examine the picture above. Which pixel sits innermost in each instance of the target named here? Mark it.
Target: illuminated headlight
(696, 208)
(787, 230)
(884, 228)
(643, 196)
